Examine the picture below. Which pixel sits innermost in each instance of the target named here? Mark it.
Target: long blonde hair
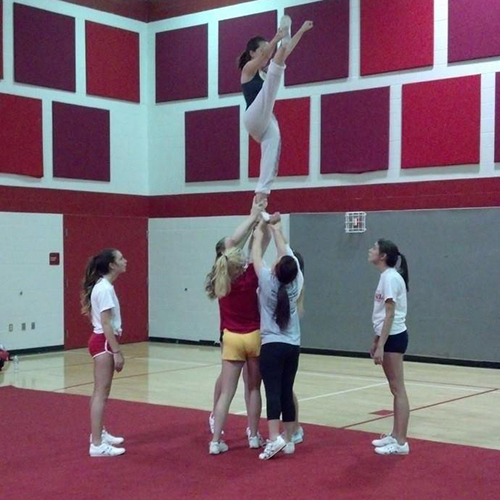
(229, 264)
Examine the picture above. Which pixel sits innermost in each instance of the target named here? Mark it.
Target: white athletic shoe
(107, 438)
(217, 447)
(105, 450)
(265, 216)
(298, 436)
(289, 448)
(255, 442)
(393, 449)
(272, 447)
(286, 26)
(384, 440)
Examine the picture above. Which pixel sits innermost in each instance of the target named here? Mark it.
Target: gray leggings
(262, 125)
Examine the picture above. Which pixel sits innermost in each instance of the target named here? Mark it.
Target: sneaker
(217, 447)
(298, 436)
(289, 448)
(256, 441)
(107, 438)
(286, 26)
(384, 440)
(272, 447)
(265, 216)
(105, 450)
(393, 449)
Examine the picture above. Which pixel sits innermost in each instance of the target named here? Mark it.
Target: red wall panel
(44, 48)
(294, 119)
(441, 122)
(179, 75)
(323, 52)
(86, 236)
(355, 131)
(473, 29)
(212, 138)
(81, 142)
(21, 142)
(396, 35)
(112, 62)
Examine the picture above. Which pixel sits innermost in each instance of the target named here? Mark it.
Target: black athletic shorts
(397, 343)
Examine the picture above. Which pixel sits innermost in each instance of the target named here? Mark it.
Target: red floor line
(421, 408)
(138, 375)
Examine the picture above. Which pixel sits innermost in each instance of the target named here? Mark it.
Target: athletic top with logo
(239, 310)
(390, 286)
(104, 298)
(252, 88)
(268, 293)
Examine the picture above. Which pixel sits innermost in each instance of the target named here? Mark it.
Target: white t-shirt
(104, 298)
(268, 293)
(390, 286)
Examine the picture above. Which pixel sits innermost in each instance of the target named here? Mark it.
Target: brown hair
(97, 266)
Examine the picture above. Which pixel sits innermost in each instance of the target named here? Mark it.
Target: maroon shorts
(98, 345)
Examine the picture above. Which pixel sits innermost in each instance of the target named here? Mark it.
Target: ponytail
(403, 270)
(243, 59)
(226, 268)
(282, 311)
(97, 266)
(392, 253)
(286, 271)
(300, 300)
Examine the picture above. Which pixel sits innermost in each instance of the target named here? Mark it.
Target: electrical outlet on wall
(11, 327)
(32, 325)
(23, 327)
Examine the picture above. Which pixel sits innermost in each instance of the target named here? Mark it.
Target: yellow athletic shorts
(240, 346)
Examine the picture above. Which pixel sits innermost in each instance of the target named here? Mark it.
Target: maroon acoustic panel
(81, 142)
(212, 139)
(1, 40)
(233, 37)
(112, 62)
(21, 139)
(441, 122)
(322, 53)
(473, 29)
(44, 48)
(396, 35)
(355, 131)
(294, 119)
(497, 118)
(181, 70)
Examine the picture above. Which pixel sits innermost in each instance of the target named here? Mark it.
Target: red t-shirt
(239, 311)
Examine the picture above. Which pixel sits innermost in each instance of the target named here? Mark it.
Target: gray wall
(454, 263)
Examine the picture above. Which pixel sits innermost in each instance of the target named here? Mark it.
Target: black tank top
(252, 88)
